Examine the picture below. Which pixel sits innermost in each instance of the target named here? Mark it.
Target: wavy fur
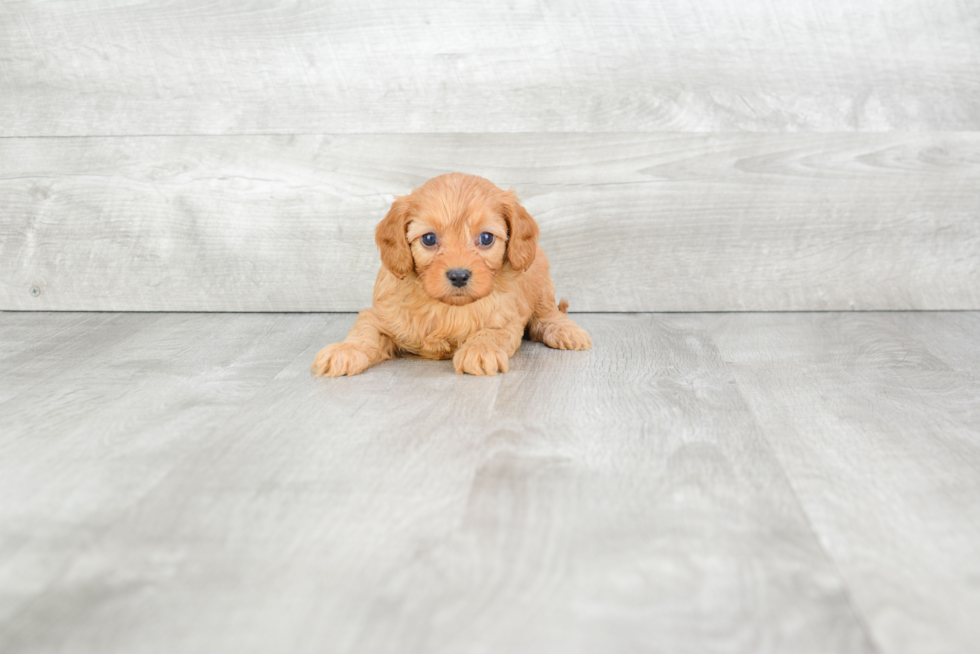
(417, 311)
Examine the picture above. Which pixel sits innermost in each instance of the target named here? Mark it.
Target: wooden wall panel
(704, 155)
(130, 68)
(631, 222)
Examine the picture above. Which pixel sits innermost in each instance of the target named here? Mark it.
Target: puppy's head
(456, 232)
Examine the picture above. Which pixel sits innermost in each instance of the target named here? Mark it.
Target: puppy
(462, 278)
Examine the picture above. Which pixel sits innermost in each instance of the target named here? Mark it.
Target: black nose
(458, 277)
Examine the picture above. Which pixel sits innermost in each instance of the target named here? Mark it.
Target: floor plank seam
(858, 614)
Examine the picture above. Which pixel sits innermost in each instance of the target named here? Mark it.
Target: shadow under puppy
(462, 278)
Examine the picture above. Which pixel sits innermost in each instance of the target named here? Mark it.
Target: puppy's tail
(563, 305)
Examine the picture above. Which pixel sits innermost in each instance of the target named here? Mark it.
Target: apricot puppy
(462, 278)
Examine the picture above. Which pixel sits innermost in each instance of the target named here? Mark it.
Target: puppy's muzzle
(458, 277)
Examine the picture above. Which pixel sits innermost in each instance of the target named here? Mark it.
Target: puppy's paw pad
(339, 359)
(480, 360)
(567, 337)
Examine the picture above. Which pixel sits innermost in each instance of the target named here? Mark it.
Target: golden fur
(418, 311)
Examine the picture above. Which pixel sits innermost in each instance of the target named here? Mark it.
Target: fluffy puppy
(462, 278)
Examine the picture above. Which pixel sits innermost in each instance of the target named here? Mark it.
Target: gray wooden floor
(803, 482)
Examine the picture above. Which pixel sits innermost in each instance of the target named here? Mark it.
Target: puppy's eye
(486, 238)
(428, 240)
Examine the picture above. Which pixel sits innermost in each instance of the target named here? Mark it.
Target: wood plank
(25, 337)
(880, 439)
(621, 499)
(123, 68)
(82, 443)
(38, 347)
(952, 337)
(631, 222)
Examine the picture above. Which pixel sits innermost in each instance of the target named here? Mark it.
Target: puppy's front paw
(339, 359)
(566, 336)
(479, 360)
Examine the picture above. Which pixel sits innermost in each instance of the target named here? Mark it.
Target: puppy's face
(455, 233)
(457, 253)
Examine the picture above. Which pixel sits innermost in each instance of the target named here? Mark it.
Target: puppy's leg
(364, 346)
(552, 326)
(487, 351)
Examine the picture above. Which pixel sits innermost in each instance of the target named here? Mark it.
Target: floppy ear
(522, 241)
(396, 255)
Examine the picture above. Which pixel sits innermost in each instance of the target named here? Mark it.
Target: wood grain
(205, 493)
(36, 348)
(631, 222)
(725, 482)
(128, 68)
(94, 422)
(878, 430)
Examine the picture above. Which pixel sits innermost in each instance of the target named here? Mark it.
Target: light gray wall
(697, 155)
